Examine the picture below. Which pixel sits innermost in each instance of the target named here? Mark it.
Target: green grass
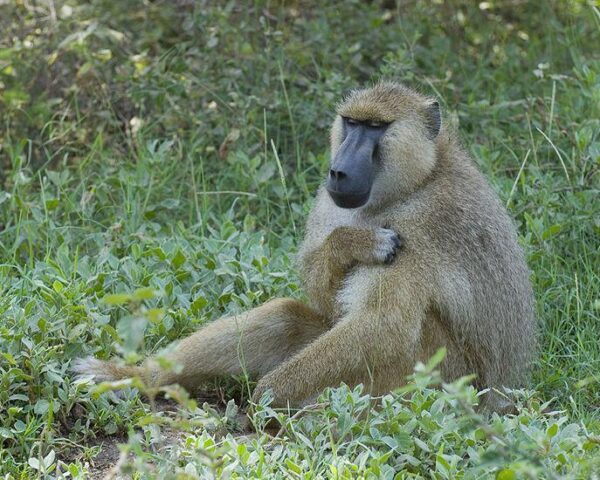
(140, 153)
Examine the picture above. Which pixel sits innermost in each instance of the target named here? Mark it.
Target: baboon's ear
(434, 119)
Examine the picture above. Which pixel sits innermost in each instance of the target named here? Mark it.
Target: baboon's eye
(366, 123)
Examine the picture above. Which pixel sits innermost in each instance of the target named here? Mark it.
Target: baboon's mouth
(349, 200)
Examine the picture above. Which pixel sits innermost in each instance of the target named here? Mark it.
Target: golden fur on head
(386, 102)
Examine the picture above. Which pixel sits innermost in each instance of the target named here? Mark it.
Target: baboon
(407, 250)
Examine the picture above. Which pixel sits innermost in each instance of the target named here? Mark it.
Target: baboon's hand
(259, 390)
(351, 245)
(283, 390)
(387, 243)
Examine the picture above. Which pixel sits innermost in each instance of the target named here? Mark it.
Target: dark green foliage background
(142, 148)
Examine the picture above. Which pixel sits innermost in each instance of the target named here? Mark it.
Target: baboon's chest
(359, 285)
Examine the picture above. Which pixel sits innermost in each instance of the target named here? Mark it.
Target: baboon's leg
(374, 345)
(254, 342)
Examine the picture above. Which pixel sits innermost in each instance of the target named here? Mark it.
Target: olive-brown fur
(457, 279)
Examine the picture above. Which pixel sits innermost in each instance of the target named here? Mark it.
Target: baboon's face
(352, 170)
(383, 145)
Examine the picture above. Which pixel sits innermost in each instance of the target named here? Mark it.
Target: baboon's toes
(99, 370)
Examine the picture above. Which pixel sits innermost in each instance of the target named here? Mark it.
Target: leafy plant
(157, 162)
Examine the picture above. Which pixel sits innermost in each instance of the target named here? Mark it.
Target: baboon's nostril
(338, 175)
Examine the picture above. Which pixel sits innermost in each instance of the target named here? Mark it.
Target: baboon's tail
(104, 371)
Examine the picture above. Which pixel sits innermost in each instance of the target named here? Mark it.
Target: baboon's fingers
(387, 244)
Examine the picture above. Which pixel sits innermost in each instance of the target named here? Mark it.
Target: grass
(157, 161)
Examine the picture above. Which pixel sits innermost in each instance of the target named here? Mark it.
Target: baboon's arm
(365, 347)
(324, 267)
